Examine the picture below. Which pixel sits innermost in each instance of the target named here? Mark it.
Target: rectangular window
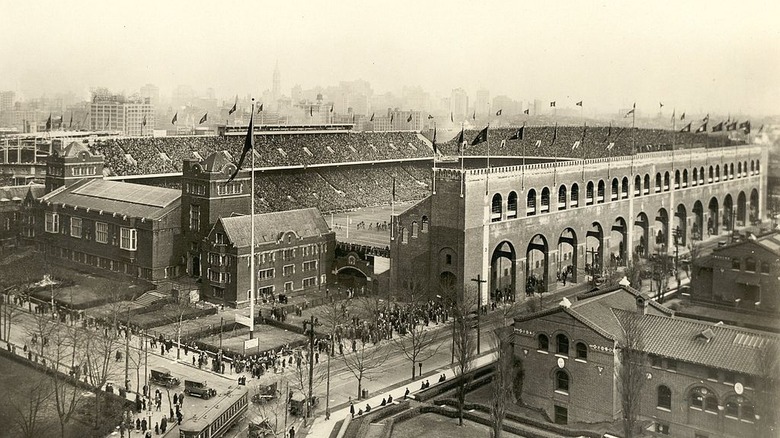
(288, 254)
(309, 266)
(101, 232)
(194, 217)
(219, 239)
(265, 273)
(561, 415)
(288, 270)
(288, 287)
(266, 290)
(655, 361)
(75, 227)
(712, 374)
(52, 222)
(309, 282)
(671, 365)
(219, 277)
(128, 239)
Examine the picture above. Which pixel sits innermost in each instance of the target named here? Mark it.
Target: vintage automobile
(162, 376)
(266, 393)
(298, 403)
(198, 388)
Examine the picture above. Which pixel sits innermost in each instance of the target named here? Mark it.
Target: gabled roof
(714, 345)
(216, 161)
(269, 227)
(74, 149)
(18, 193)
(126, 199)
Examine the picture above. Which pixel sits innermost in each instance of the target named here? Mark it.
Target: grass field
(268, 336)
(437, 426)
(345, 224)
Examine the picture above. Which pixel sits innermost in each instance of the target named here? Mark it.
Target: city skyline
(608, 55)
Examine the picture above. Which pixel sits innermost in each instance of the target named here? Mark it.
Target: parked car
(163, 377)
(198, 388)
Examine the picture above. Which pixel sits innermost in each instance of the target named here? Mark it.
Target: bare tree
(65, 346)
(29, 409)
(175, 313)
(8, 313)
(768, 361)
(501, 385)
(304, 383)
(630, 373)
(417, 344)
(363, 360)
(100, 350)
(463, 344)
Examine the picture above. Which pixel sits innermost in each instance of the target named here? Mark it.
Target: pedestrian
(292, 431)
(175, 400)
(156, 428)
(352, 409)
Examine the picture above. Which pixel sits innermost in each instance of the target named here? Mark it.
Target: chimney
(641, 304)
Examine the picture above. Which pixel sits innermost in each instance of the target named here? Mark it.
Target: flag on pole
(732, 126)
(555, 135)
(393, 188)
(451, 118)
(682, 117)
(660, 105)
(686, 128)
(609, 132)
(249, 144)
(232, 110)
(175, 118)
(631, 111)
(745, 126)
(70, 125)
(331, 107)
(372, 118)
(392, 116)
(430, 117)
(435, 148)
(260, 108)
(673, 111)
(718, 127)
(409, 119)
(143, 123)
(474, 116)
(579, 103)
(552, 104)
(481, 137)
(203, 119)
(760, 128)
(519, 134)
(706, 118)
(527, 111)
(702, 128)
(311, 111)
(48, 123)
(498, 113)
(108, 122)
(461, 141)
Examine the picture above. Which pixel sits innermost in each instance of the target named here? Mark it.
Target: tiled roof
(17, 193)
(306, 222)
(215, 161)
(714, 345)
(126, 199)
(771, 242)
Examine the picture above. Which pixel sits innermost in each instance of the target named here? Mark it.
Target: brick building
(742, 275)
(292, 252)
(702, 379)
(12, 215)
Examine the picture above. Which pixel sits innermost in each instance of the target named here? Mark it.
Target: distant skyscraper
(276, 89)
(482, 104)
(114, 112)
(151, 92)
(459, 103)
(7, 100)
(537, 107)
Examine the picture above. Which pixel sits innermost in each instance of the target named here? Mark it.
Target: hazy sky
(710, 56)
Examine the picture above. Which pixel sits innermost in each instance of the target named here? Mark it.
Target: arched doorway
(618, 242)
(568, 257)
(698, 221)
(661, 228)
(728, 213)
(640, 234)
(741, 209)
(195, 266)
(680, 228)
(594, 253)
(537, 265)
(351, 277)
(754, 216)
(713, 219)
(503, 276)
(448, 283)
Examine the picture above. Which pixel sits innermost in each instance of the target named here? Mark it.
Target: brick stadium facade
(505, 224)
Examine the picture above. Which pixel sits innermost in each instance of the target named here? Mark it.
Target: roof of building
(216, 161)
(126, 199)
(714, 345)
(306, 222)
(17, 193)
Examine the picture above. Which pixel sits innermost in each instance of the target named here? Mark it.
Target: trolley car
(224, 412)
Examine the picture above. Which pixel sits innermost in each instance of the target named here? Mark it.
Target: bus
(223, 413)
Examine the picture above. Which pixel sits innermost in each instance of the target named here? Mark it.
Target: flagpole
(434, 157)
(522, 177)
(252, 237)
(462, 175)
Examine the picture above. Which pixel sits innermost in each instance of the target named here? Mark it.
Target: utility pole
(311, 367)
(592, 253)
(146, 359)
(479, 282)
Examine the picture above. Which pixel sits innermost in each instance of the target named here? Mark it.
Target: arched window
(511, 205)
(758, 166)
(637, 185)
(530, 206)
(495, 210)
(575, 195)
(582, 351)
(702, 399)
(750, 264)
(685, 178)
(717, 172)
(658, 182)
(744, 168)
(545, 200)
(561, 381)
(647, 184)
(676, 179)
(562, 344)
(764, 267)
(615, 189)
(666, 181)
(543, 342)
(711, 176)
(562, 197)
(664, 397)
(404, 235)
(600, 192)
(415, 230)
(695, 176)
(589, 193)
(624, 188)
(739, 170)
(424, 224)
(752, 167)
(739, 407)
(701, 175)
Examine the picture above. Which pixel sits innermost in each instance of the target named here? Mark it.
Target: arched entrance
(448, 283)
(537, 265)
(741, 209)
(661, 228)
(196, 266)
(640, 235)
(594, 253)
(568, 257)
(618, 242)
(698, 221)
(728, 213)
(503, 276)
(351, 277)
(713, 219)
(754, 217)
(680, 228)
